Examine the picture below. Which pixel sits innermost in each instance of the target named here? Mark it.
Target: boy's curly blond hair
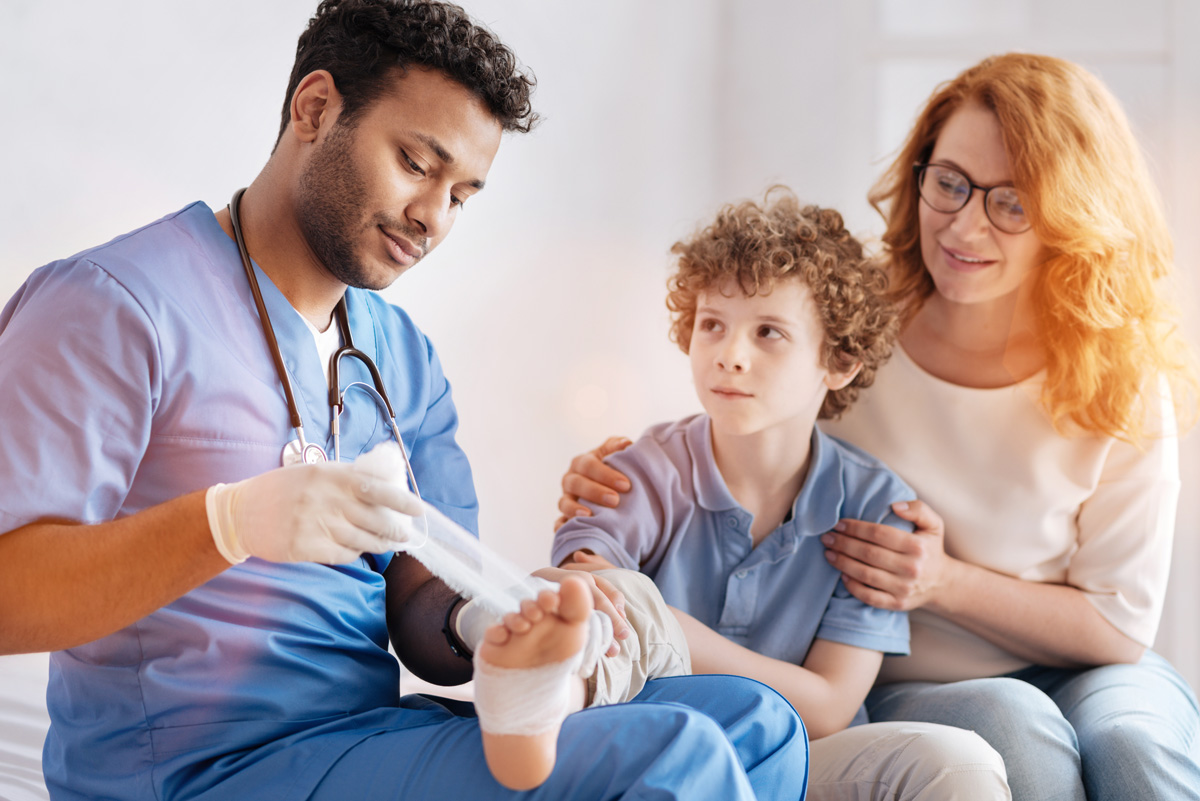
(757, 245)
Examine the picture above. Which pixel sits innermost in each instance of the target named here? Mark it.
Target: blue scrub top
(136, 372)
(682, 527)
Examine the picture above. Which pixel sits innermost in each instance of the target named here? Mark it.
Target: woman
(1032, 403)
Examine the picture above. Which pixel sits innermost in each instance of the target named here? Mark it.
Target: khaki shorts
(655, 649)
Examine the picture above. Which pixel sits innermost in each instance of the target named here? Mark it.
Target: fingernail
(583, 513)
(900, 506)
(611, 498)
(840, 525)
(827, 539)
(829, 556)
(622, 484)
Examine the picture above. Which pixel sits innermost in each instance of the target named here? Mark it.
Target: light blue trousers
(1112, 733)
(691, 737)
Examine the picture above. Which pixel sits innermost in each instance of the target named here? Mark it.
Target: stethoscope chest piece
(310, 453)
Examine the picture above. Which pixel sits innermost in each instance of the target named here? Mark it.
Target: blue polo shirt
(680, 525)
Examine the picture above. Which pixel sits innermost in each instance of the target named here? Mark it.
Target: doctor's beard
(329, 207)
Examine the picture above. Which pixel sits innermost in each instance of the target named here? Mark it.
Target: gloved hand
(328, 512)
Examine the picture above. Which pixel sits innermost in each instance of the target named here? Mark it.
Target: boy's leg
(905, 761)
(656, 647)
(527, 682)
(1038, 745)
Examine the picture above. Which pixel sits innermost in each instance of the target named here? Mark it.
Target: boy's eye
(708, 324)
(769, 332)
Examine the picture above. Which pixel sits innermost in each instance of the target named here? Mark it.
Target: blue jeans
(690, 737)
(1111, 733)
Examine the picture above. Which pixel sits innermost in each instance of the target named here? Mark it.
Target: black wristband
(456, 645)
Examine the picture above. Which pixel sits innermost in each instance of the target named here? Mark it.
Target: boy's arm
(826, 691)
(629, 536)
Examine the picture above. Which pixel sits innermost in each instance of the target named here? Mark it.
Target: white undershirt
(327, 342)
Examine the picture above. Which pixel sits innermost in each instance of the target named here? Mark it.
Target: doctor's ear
(314, 105)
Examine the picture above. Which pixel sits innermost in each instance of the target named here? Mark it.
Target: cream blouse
(1021, 499)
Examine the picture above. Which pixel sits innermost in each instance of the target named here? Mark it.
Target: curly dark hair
(757, 245)
(361, 43)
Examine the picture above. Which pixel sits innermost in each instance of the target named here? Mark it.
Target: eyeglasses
(947, 190)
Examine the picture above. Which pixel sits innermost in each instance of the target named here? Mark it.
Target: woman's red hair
(1106, 324)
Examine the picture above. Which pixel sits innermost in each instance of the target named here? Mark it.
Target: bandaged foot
(527, 682)
(474, 619)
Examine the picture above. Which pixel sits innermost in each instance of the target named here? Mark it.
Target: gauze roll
(449, 551)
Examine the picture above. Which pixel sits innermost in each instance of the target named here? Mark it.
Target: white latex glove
(328, 512)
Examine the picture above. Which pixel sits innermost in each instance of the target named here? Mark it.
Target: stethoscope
(300, 450)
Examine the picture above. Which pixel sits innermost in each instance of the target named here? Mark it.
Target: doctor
(220, 623)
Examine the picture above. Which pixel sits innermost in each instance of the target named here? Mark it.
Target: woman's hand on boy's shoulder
(589, 479)
(886, 567)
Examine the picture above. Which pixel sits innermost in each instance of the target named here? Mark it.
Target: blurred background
(546, 304)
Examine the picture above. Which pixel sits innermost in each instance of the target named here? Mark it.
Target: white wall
(546, 303)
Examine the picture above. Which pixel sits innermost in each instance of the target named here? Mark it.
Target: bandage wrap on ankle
(523, 701)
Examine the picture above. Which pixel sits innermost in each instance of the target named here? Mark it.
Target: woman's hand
(590, 479)
(889, 568)
(607, 599)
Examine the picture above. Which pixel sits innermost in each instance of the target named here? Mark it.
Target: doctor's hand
(590, 479)
(328, 512)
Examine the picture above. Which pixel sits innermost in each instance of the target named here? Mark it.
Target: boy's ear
(835, 381)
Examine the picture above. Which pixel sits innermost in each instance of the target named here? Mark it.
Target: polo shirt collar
(817, 507)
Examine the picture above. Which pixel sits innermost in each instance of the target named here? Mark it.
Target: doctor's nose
(431, 214)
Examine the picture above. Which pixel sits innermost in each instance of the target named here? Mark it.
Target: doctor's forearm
(63, 584)
(417, 606)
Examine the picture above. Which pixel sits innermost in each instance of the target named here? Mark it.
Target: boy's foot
(526, 682)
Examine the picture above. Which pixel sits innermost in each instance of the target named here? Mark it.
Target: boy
(784, 319)
(537, 665)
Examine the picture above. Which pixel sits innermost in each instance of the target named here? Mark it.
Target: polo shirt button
(731, 521)
(741, 574)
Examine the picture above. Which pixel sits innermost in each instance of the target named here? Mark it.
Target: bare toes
(496, 635)
(575, 600)
(516, 623)
(531, 611)
(548, 601)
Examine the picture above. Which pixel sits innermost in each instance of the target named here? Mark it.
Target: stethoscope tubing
(337, 395)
